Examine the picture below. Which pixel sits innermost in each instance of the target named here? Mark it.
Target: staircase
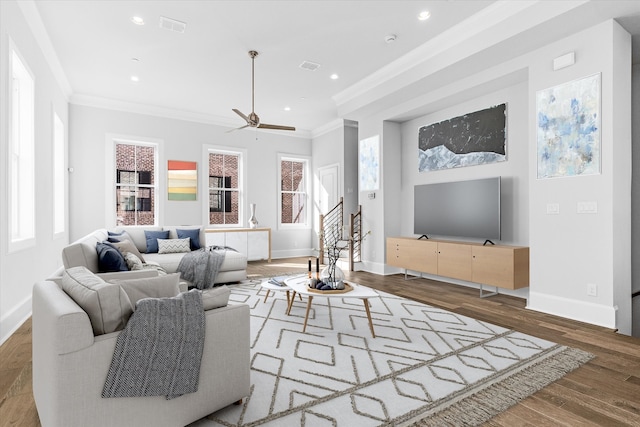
(332, 234)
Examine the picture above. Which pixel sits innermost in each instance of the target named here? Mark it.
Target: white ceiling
(206, 71)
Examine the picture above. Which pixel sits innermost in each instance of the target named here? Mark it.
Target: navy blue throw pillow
(152, 239)
(193, 234)
(109, 258)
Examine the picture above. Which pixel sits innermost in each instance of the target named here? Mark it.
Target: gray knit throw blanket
(201, 267)
(160, 349)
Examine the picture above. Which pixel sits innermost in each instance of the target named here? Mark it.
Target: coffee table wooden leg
(291, 303)
(288, 299)
(366, 307)
(306, 316)
(267, 295)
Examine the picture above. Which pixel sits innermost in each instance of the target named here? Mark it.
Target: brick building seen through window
(224, 188)
(135, 184)
(293, 192)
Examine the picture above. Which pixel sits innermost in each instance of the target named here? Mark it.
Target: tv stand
(501, 266)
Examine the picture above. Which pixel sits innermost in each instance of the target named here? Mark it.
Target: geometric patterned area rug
(426, 366)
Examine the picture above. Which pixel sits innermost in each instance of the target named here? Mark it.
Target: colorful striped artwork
(182, 182)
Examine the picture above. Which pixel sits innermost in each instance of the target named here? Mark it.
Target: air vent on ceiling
(308, 65)
(172, 25)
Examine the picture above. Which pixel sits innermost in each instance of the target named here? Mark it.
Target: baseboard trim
(14, 319)
(587, 312)
(292, 253)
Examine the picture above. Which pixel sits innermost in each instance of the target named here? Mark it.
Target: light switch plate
(553, 208)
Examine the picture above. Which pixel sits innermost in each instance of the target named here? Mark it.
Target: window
(22, 156)
(136, 188)
(224, 187)
(59, 201)
(293, 191)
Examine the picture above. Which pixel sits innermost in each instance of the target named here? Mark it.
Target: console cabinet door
(505, 267)
(258, 245)
(454, 260)
(413, 254)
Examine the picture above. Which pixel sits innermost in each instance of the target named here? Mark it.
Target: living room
(569, 251)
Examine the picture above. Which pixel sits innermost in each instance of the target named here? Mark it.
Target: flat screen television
(468, 209)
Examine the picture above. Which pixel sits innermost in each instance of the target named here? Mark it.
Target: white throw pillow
(107, 305)
(150, 287)
(173, 246)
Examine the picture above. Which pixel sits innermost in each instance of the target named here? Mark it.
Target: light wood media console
(501, 266)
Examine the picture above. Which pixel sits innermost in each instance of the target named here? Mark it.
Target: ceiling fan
(253, 120)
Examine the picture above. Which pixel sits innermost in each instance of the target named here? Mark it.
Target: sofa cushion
(126, 246)
(133, 262)
(193, 234)
(118, 236)
(106, 304)
(109, 258)
(173, 246)
(150, 287)
(152, 239)
(215, 297)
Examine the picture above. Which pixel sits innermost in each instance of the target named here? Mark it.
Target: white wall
(570, 250)
(180, 140)
(20, 270)
(567, 250)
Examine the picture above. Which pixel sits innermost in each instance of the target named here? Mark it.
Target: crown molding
(468, 30)
(169, 113)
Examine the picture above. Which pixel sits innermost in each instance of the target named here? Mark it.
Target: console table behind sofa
(255, 243)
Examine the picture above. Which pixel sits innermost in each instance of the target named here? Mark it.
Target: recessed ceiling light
(135, 79)
(287, 108)
(334, 76)
(424, 15)
(137, 20)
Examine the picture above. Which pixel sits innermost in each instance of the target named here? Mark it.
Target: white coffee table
(300, 287)
(277, 288)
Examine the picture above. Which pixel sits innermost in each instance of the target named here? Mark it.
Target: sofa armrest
(60, 326)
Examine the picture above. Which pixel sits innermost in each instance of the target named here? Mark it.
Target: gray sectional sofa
(70, 364)
(83, 253)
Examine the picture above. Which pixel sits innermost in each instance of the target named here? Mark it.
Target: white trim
(308, 188)
(171, 113)
(110, 179)
(55, 117)
(242, 178)
(12, 320)
(588, 312)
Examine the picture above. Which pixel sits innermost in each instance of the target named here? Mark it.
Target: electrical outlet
(592, 290)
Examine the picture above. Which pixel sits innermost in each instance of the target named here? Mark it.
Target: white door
(328, 195)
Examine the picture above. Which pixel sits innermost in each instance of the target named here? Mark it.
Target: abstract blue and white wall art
(472, 139)
(568, 128)
(369, 164)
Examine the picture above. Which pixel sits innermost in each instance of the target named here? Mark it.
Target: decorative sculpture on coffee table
(332, 275)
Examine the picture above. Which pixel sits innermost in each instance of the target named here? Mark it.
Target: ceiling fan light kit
(252, 119)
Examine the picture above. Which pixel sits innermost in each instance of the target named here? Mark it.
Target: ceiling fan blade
(275, 127)
(238, 112)
(241, 127)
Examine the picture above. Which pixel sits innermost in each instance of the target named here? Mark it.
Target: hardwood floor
(603, 392)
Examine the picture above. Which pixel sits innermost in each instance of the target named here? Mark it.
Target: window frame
(242, 193)
(306, 161)
(59, 175)
(21, 197)
(159, 176)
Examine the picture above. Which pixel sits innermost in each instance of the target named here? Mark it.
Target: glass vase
(253, 221)
(333, 276)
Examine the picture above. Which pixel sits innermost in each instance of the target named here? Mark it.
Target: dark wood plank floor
(603, 392)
